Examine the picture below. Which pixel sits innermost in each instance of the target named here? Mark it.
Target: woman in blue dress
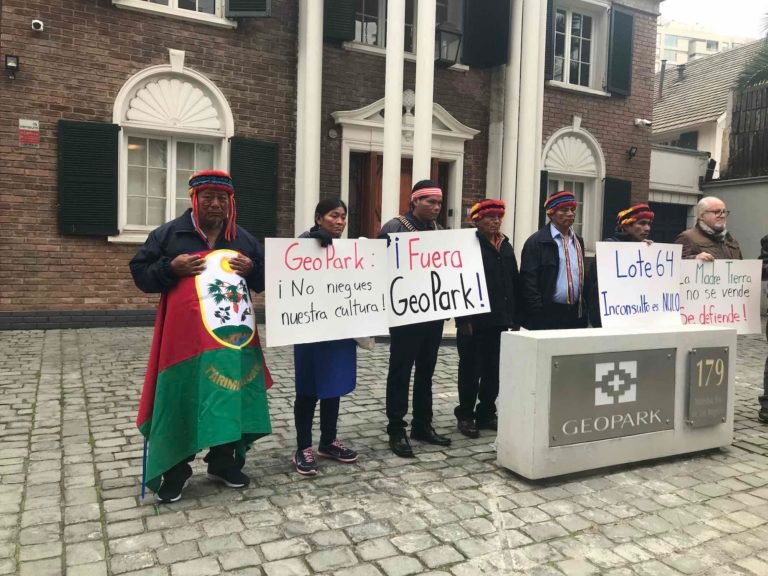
(324, 371)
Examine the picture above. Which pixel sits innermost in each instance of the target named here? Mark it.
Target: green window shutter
(616, 197)
(87, 178)
(543, 195)
(620, 53)
(253, 167)
(248, 8)
(338, 20)
(549, 47)
(486, 33)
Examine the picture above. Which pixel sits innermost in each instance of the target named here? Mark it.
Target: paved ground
(71, 458)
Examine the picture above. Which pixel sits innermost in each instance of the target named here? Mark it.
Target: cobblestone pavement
(71, 460)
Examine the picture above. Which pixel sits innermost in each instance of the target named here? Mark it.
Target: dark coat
(501, 278)
(695, 241)
(764, 256)
(539, 264)
(151, 266)
(395, 225)
(593, 299)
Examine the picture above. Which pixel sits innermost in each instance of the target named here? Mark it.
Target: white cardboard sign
(638, 281)
(315, 294)
(722, 292)
(435, 275)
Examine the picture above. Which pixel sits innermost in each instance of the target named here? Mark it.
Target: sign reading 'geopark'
(609, 395)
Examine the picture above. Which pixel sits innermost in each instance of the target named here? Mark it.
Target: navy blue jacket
(151, 266)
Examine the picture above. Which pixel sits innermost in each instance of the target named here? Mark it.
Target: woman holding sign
(324, 370)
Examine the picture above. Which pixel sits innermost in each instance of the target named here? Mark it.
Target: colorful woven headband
(421, 192)
(487, 208)
(563, 199)
(214, 180)
(633, 214)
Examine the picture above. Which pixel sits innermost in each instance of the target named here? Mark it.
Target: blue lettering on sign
(671, 302)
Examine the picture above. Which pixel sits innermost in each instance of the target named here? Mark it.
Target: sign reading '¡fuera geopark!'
(612, 394)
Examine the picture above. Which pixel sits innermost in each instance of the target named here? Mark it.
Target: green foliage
(755, 71)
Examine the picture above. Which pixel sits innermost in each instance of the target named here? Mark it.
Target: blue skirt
(325, 369)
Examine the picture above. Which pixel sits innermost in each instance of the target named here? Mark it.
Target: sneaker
(170, 491)
(337, 451)
(762, 415)
(231, 477)
(305, 462)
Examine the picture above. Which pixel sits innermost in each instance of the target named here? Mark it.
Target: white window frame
(173, 11)
(598, 69)
(172, 139)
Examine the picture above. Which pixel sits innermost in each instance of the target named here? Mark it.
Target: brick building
(116, 102)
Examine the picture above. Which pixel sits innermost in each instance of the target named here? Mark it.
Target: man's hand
(241, 265)
(647, 241)
(705, 256)
(187, 265)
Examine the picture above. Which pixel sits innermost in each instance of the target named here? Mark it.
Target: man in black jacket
(171, 252)
(632, 225)
(478, 337)
(762, 415)
(415, 344)
(552, 270)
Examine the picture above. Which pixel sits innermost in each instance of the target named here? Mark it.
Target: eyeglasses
(718, 212)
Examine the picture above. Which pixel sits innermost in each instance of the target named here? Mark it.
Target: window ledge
(575, 88)
(377, 51)
(177, 13)
(129, 237)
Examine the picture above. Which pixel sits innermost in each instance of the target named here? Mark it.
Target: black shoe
(170, 490)
(427, 434)
(231, 477)
(467, 427)
(763, 415)
(490, 424)
(305, 462)
(400, 445)
(337, 451)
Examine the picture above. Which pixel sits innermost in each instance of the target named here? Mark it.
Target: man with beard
(709, 239)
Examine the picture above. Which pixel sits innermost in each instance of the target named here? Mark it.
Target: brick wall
(610, 120)
(74, 70)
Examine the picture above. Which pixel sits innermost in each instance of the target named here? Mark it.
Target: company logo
(616, 383)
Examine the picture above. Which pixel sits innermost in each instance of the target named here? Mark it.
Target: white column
(308, 119)
(511, 119)
(393, 110)
(530, 121)
(425, 74)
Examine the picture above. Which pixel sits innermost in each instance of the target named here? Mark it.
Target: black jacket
(151, 266)
(501, 279)
(396, 225)
(593, 298)
(539, 264)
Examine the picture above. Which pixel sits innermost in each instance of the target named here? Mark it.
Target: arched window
(174, 121)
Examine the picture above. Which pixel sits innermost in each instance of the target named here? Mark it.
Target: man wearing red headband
(478, 337)
(415, 344)
(170, 255)
(552, 270)
(632, 225)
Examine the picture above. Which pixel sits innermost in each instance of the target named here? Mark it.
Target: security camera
(643, 122)
(38, 25)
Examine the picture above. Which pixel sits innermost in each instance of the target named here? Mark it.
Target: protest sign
(315, 294)
(638, 281)
(434, 276)
(721, 292)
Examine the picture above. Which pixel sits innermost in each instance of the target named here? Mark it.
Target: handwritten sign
(722, 292)
(315, 294)
(434, 276)
(638, 282)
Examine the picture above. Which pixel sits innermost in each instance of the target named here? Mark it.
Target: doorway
(365, 171)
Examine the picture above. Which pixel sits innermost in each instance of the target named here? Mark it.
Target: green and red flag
(206, 379)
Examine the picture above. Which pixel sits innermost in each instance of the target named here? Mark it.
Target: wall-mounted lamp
(632, 152)
(447, 45)
(12, 65)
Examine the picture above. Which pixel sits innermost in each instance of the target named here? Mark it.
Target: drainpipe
(661, 78)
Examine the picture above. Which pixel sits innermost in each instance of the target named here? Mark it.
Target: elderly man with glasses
(709, 239)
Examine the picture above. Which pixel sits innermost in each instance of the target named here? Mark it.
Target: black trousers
(478, 373)
(415, 344)
(219, 458)
(556, 316)
(764, 398)
(304, 415)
